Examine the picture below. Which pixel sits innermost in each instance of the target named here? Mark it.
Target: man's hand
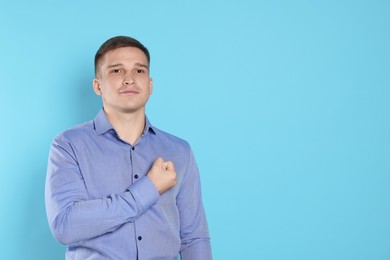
(162, 174)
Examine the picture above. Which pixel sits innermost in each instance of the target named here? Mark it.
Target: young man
(118, 187)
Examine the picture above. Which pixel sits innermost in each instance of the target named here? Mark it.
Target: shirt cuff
(145, 193)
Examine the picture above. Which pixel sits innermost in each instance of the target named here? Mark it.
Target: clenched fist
(162, 174)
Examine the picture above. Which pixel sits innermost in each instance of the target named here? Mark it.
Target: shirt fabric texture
(101, 204)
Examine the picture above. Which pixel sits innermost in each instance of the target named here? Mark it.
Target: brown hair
(118, 42)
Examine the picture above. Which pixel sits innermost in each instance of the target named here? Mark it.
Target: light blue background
(285, 103)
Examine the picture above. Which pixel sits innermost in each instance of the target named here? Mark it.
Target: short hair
(118, 42)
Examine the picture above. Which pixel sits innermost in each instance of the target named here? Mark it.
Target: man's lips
(129, 91)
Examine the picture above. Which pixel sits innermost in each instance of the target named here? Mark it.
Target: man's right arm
(72, 216)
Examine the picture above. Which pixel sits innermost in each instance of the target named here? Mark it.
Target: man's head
(115, 43)
(122, 75)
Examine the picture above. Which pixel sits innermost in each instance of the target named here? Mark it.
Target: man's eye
(115, 71)
(139, 71)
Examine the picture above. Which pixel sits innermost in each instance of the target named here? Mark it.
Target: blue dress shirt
(101, 204)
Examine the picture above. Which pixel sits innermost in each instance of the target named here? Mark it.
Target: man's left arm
(195, 239)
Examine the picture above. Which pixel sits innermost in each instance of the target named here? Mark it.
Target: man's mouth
(129, 91)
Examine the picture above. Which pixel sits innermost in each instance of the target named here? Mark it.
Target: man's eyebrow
(142, 65)
(114, 65)
(120, 65)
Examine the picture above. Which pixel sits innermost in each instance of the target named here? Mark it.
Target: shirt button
(133, 148)
(136, 176)
(139, 238)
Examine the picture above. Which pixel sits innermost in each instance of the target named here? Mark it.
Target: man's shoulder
(170, 138)
(76, 132)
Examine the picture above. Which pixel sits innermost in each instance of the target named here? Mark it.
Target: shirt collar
(102, 125)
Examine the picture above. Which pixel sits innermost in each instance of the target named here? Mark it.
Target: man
(118, 187)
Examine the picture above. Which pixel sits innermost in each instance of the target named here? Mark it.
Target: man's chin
(132, 110)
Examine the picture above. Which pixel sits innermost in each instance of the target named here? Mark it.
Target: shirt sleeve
(193, 224)
(72, 216)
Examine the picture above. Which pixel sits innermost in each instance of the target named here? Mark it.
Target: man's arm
(193, 224)
(73, 217)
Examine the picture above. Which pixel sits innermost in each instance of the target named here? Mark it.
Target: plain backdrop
(285, 104)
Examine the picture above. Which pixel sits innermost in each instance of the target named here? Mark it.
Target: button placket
(134, 173)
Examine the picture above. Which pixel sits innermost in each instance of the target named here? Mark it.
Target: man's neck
(129, 126)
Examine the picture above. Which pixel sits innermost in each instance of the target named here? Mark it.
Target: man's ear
(96, 87)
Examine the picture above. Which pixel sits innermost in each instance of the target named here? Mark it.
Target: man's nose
(128, 79)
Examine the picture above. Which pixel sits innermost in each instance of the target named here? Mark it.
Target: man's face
(123, 80)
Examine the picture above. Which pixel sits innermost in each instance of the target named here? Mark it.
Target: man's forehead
(130, 51)
(124, 55)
